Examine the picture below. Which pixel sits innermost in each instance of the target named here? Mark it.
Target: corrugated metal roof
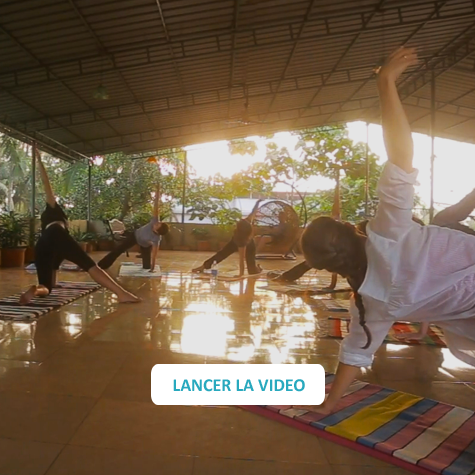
(181, 71)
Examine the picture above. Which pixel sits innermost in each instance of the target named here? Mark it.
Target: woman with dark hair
(56, 244)
(400, 270)
(243, 242)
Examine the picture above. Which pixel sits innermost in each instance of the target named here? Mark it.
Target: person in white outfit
(400, 270)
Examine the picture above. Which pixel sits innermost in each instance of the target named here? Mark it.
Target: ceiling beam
(434, 14)
(149, 54)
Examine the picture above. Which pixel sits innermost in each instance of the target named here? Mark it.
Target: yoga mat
(10, 308)
(338, 323)
(131, 269)
(64, 267)
(228, 277)
(299, 289)
(338, 328)
(418, 434)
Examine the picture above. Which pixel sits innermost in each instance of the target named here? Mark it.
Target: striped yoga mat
(131, 269)
(338, 328)
(10, 308)
(415, 433)
(338, 323)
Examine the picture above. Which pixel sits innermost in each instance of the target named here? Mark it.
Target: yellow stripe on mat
(371, 418)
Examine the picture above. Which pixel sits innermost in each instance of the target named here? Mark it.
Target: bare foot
(25, 297)
(199, 269)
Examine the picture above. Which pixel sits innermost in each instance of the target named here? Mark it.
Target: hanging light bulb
(100, 93)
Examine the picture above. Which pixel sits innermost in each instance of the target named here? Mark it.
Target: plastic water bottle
(214, 273)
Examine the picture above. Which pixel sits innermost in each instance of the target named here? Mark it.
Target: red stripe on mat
(337, 440)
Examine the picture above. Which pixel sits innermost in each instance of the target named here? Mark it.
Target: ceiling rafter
(347, 50)
(26, 50)
(83, 67)
(434, 13)
(104, 51)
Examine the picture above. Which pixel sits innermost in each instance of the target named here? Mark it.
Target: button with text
(238, 384)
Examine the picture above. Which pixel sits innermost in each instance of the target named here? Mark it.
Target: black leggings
(54, 245)
(125, 245)
(230, 248)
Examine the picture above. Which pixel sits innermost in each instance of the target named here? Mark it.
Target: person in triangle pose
(400, 270)
(242, 241)
(56, 244)
(148, 237)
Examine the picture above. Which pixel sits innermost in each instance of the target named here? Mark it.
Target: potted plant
(91, 241)
(13, 237)
(105, 242)
(202, 244)
(78, 235)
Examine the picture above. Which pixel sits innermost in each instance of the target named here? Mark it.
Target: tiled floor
(75, 386)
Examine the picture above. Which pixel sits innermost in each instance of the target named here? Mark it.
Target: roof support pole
(432, 138)
(34, 152)
(183, 198)
(366, 188)
(89, 191)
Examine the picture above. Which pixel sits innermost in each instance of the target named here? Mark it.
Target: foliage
(122, 187)
(242, 147)
(13, 230)
(200, 233)
(15, 180)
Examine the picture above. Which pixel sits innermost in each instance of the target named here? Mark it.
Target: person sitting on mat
(148, 237)
(401, 270)
(56, 244)
(243, 242)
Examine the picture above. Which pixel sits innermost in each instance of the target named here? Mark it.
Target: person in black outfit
(243, 242)
(56, 244)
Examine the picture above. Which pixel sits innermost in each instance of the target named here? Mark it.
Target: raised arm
(50, 198)
(396, 185)
(156, 203)
(251, 217)
(396, 129)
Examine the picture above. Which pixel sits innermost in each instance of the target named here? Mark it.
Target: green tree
(15, 181)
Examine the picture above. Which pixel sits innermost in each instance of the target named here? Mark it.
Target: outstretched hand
(398, 62)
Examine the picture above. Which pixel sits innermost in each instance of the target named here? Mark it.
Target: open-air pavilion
(82, 78)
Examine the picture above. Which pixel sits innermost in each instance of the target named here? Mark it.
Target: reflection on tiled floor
(75, 385)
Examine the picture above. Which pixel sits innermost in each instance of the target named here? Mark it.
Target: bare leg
(457, 212)
(108, 282)
(333, 282)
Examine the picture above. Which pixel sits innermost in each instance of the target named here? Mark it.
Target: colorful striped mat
(412, 432)
(10, 308)
(338, 323)
(308, 289)
(337, 327)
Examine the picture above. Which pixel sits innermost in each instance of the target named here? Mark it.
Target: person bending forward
(148, 237)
